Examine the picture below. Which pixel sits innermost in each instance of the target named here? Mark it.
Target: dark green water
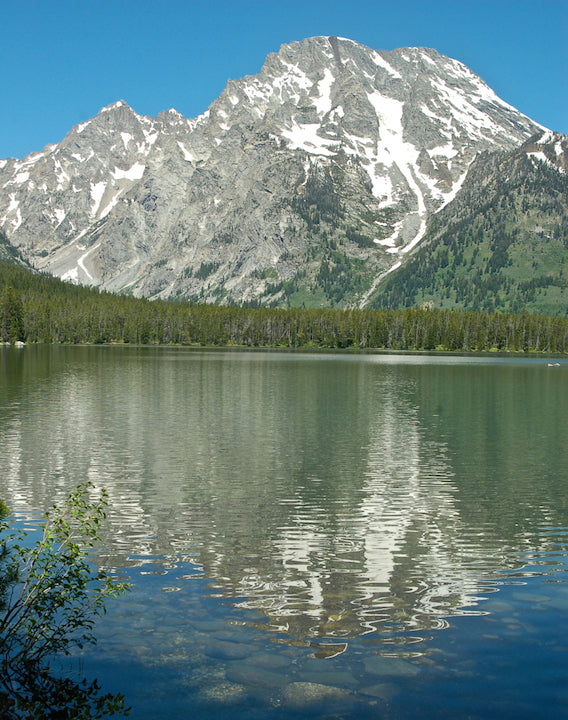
(328, 535)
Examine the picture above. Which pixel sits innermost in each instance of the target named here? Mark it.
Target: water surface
(345, 535)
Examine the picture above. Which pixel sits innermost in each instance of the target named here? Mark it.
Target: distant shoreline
(303, 350)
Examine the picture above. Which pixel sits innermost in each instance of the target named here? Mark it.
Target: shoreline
(303, 349)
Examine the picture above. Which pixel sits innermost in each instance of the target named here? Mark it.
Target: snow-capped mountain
(305, 183)
(502, 245)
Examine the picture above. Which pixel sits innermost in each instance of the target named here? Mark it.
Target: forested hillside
(502, 245)
(41, 309)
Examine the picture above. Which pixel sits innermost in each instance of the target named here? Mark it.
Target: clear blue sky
(62, 60)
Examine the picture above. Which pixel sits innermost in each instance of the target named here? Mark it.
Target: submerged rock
(382, 691)
(387, 666)
(225, 693)
(342, 678)
(269, 661)
(302, 694)
(255, 676)
(222, 650)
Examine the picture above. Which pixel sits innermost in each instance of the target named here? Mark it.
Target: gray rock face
(305, 183)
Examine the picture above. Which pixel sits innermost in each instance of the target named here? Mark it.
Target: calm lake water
(334, 536)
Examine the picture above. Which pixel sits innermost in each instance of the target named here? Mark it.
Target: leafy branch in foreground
(50, 597)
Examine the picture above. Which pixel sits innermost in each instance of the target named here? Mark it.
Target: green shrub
(50, 597)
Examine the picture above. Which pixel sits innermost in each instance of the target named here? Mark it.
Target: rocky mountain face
(7, 252)
(502, 244)
(308, 183)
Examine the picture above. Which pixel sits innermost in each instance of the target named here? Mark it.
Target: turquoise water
(344, 536)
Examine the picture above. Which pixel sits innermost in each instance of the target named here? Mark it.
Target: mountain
(305, 184)
(502, 244)
(8, 252)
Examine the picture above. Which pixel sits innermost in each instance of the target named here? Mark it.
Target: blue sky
(62, 60)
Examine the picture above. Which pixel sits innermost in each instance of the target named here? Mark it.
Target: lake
(328, 535)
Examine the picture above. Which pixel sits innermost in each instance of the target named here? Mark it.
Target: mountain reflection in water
(334, 495)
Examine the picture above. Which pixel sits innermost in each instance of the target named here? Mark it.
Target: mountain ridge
(305, 183)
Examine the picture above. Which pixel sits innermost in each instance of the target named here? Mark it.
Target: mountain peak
(115, 106)
(120, 106)
(322, 171)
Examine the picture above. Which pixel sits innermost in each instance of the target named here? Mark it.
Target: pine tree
(11, 316)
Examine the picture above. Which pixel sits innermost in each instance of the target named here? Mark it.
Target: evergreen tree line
(41, 309)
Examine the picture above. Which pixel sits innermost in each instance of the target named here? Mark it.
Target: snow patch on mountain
(105, 211)
(58, 216)
(379, 60)
(97, 192)
(305, 137)
(186, 154)
(71, 276)
(133, 173)
(81, 260)
(20, 178)
(13, 208)
(539, 156)
(323, 102)
(545, 138)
